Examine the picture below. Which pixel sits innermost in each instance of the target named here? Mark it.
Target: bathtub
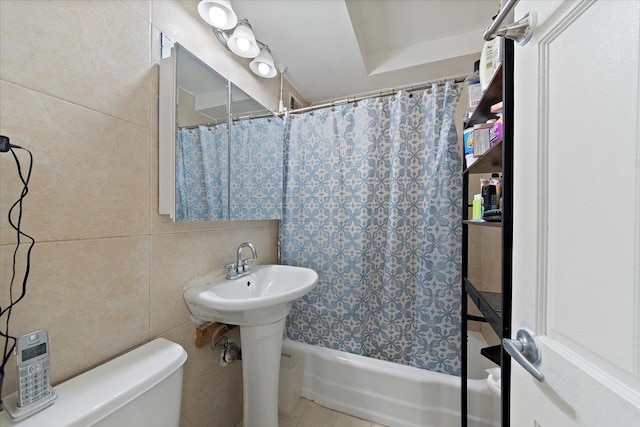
(396, 395)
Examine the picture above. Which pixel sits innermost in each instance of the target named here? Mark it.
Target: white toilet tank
(142, 388)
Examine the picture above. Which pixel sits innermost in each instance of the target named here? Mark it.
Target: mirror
(201, 141)
(208, 173)
(256, 153)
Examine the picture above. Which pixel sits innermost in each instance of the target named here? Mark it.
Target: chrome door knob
(523, 350)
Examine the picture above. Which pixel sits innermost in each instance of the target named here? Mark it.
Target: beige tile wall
(79, 88)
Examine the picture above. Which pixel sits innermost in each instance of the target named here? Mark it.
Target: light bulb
(263, 68)
(217, 16)
(243, 44)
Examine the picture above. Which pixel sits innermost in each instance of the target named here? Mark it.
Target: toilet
(142, 388)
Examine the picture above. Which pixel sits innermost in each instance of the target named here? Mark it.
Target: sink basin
(262, 297)
(259, 302)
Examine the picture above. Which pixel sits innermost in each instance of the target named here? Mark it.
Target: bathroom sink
(259, 303)
(262, 297)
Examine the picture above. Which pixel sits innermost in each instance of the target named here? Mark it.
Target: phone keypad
(34, 382)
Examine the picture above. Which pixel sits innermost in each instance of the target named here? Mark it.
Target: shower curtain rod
(235, 119)
(196, 126)
(381, 93)
(255, 116)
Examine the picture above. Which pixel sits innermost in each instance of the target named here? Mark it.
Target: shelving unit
(491, 161)
(495, 307)
(482, 224)
(489, 304)
(491, 96)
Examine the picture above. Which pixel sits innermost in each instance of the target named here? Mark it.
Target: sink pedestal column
(261, 348)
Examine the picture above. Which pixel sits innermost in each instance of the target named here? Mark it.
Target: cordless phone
(32, 357)
(34, 390)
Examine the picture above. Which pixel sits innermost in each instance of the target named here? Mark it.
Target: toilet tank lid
(89, 397)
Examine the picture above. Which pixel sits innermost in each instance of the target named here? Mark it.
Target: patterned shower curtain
(372, 196)
(201, 173)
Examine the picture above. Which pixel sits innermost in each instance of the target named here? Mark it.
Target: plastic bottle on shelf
(496, 180)
(474, 91)
(477, 207)
(489, 196)
(490, 60)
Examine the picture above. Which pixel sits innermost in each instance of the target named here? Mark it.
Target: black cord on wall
(15, 221)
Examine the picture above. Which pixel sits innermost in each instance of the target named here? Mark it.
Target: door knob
(524, 351)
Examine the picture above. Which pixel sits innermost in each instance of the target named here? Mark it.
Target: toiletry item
(496, 180)
(489, 197)
(481, 141)
(477, 207)
(489, 61)
(496, 108)
(474, 92)
(485, 182)
(468, 146)
(496, 133)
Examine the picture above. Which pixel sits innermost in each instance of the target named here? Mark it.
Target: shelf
(492, 353)
(489, 304)
(494, 307)
(491, 161)
(491, 96)
(483, 224)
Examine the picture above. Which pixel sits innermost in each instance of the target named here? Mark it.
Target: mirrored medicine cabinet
(221, 151)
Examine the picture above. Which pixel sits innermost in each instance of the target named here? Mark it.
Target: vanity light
(237, 36)
(218, 13)
(242, 42)
(263, 64)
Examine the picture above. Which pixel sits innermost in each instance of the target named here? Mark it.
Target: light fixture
(242, 42)
(218, 13)
(263, 64)
(237, 38)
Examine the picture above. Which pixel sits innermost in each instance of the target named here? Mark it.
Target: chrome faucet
(241, 267)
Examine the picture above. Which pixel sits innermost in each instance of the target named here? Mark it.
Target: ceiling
(337, 48)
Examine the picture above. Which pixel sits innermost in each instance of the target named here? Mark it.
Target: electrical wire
(9, 340)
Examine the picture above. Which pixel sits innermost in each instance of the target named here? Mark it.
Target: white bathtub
(393, 394)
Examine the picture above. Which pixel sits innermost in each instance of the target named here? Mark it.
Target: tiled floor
(310, 414)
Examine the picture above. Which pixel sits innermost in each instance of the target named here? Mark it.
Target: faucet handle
(245, 264)
(231, 266)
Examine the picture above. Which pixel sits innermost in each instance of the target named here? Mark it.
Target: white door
(576, 255)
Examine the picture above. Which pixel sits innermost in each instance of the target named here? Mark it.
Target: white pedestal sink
(259, 303)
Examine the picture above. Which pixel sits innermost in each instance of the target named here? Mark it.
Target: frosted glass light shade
(263, 64)
(242, 42)
(218, 13)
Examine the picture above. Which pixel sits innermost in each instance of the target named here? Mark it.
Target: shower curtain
(372, 193)
(201, 173)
